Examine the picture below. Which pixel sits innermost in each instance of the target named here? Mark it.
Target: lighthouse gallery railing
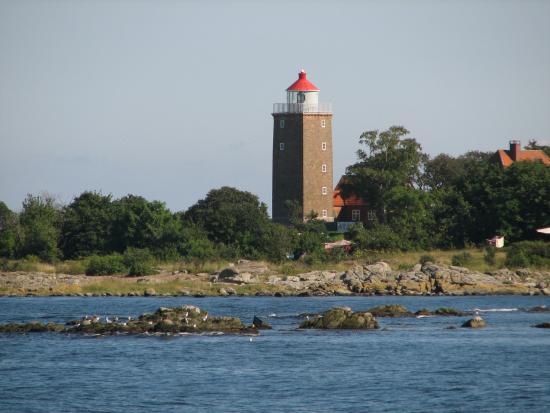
(302, 108)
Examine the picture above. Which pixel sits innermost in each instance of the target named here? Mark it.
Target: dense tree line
(419, 203)
(445, 201)
(226, 224)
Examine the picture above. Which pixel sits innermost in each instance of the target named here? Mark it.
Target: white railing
(302, 108)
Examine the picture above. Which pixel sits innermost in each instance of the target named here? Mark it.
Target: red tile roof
(505, 158)
(302, 84)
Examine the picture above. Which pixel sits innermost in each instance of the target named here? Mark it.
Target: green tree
(138, 223)
(390, 160)
(40, 223)
(8, 231)
(87, 225)
(237, 219)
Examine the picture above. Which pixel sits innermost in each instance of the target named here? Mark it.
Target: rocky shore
(256, 278)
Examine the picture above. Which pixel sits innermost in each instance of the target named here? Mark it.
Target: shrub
(106, 265)
(490, 255)
(139, 261)
(377, 238)
(526, 253)
(462, 259)
(426, 258)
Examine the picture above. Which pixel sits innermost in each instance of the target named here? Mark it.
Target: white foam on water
(495, 310)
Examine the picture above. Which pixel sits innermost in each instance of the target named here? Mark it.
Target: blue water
(410, 365)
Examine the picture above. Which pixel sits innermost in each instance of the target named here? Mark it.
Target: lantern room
(303, 91)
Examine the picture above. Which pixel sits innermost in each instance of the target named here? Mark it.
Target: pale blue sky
(169, 99)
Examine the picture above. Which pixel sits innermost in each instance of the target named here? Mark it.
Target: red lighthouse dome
(302, 84)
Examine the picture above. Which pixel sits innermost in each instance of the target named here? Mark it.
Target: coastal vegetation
(425, 209)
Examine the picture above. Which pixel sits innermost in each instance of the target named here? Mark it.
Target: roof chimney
(515, 149)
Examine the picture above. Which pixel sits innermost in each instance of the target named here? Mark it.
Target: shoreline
(249, 278)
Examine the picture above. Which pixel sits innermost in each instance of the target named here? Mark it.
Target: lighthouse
(302, 154)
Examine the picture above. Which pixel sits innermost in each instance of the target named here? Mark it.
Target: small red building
(351, 208)
(515, 154)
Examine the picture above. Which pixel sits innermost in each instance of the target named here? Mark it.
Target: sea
(408, 365)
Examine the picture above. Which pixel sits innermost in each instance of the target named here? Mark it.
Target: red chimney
(515, 149)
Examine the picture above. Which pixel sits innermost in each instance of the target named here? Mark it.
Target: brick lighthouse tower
(302, 153)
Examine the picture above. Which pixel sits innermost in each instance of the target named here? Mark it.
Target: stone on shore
(342, 318)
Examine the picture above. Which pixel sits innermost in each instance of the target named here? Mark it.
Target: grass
(408, 259)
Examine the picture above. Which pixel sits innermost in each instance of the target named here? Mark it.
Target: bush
(528, 253)
(490, 255)
(139, 261)
(426, 258)
(377, 238)
(462, 259)
(106, 265)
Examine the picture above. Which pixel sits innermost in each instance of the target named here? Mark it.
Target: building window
(324, 190)
(371, 215)
(282, 123)
(355, 215)
(324, 167)
(282, 146)
(325, 213)
(323, 124)
(324, 146)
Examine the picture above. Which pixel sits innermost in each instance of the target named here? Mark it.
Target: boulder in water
(391, 310)
(260, 324)
(542, 325)
(476, 322)
(342, 318)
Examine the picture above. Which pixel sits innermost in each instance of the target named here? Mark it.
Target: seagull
(186, 321)
(187, 314)
(205, 317)
(250, 339)
(307, 317)
(194, 326)
(107, 320)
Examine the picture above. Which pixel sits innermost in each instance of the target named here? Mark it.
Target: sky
(170, 99)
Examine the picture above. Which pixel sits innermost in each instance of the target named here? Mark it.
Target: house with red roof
(349, 209)
(506, 157)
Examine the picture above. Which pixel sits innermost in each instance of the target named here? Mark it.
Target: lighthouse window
(324, 167)
(324, 190)
(282, 146)
(355, 214)
(324, 146)
(323, 123)
(282, 123)
(325, 213)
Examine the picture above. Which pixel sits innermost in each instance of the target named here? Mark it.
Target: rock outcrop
(391, 310)
(341, 318)
(476, 322)
(428, 278)
(184, 319)
(243, 272)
